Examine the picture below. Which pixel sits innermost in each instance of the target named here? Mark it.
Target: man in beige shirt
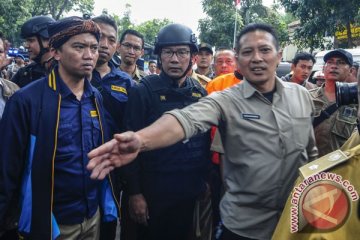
(333, 125)
(131, 48)
(266, 130)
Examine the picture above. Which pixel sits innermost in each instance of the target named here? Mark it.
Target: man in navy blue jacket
(46, 132)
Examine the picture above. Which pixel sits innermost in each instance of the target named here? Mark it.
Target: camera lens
(346, 93)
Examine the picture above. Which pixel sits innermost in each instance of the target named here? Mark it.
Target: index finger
(106, 148)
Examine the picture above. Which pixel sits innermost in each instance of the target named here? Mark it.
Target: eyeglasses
(129, 46)
(337, 63)
(180, 53)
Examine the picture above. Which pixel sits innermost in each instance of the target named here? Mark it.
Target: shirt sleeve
(200, 116)
(14, 140)
(311, 148)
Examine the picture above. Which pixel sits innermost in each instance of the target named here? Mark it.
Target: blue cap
(20, 56)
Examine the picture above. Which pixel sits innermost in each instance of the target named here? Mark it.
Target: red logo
(325, 205)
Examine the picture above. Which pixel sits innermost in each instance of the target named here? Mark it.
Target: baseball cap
(340, 53)
(206, 47)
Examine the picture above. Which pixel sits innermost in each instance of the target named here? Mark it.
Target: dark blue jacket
(28, 138)
(114, 88)
(178, 170)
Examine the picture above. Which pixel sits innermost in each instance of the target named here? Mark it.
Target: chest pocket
(178, 98)
(345, 121)
(301, 131)
(96, 131)
(66, 137)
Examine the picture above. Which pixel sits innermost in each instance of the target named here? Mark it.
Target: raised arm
(126, 146)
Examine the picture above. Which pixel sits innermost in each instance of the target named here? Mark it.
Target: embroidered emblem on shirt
(162, 98)
(250, 116)
(93, 113)
(118, 89)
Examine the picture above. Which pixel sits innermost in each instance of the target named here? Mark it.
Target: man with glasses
(131, 48)
(164, 184)
(333, 125)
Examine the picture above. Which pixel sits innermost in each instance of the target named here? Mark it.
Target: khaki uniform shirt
(137, 75)
(332, 133)
(264, 144)
(202, 79)
(350, 229)
(7, 88)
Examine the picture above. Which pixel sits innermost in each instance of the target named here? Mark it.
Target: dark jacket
(27, 153)
(177, 170)
(28, 74)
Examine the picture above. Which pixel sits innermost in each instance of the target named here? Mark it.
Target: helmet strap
(43, 50)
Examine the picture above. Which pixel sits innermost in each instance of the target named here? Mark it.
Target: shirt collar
(249, 90)
(65, 91)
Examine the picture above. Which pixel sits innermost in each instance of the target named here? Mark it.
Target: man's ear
(292, 67)
(55, 53)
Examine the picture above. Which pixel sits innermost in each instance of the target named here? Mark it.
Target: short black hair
(257, 27)
(152, 61)
(303, 56)
(132, 32)
(106, 19)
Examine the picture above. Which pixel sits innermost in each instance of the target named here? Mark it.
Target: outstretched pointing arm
(126, 146)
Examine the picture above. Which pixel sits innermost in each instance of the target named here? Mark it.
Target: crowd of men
(205, 145)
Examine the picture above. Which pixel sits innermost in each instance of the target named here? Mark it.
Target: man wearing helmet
(35, 33)
(163, 185)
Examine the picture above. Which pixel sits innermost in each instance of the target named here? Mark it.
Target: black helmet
(37, 25)
(175, 34)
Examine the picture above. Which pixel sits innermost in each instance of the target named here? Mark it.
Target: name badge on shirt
(118, 89)
(250, 116)
(197, 95)
(93, 113)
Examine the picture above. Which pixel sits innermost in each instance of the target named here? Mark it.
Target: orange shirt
(218, 84)
(222, 82)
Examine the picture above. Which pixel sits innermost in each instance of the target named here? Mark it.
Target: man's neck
(202, 71)
(103, 69)
(75, 84)
(329, 90)
(181, 81)
(129, 69)
(296, 80)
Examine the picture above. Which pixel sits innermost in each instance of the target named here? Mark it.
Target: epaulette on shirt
(315, 92)
(328, 161)
(203, 78)
(324, 163)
